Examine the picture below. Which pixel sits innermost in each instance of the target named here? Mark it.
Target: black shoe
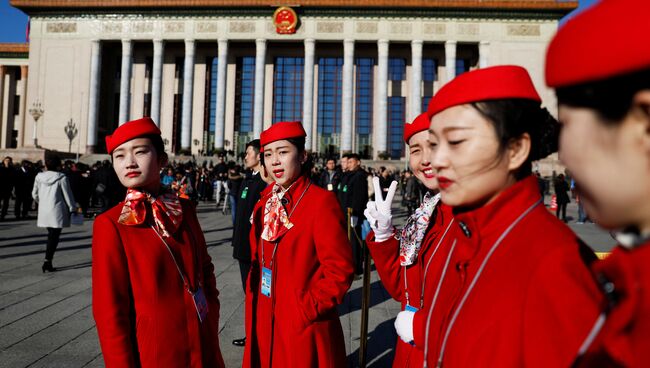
(239, 342)
(47, 266)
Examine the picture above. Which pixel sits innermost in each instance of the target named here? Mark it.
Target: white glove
(404, 325)
(378, 212)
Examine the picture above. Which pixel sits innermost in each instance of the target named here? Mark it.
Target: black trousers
(22, 205)
(357, 250)
(561, 208)
(53, 234)
(4, 197)
(244, 269)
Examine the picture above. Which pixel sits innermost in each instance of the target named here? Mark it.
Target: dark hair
(299, 143)
(611, 98)
(513, 117)
(255, 143)
(345, 155)
(53, 163)
(354, 156)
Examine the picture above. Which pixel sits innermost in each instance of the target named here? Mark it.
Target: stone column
(220, 115)
(382, 96)
(450, 59)
(483, 54)
(308, 93)
(125, 81)
(346, 102)
(188, 91)
(156, 79)
(3, 69)
(415, 94)
(23, 103)
(93, 95)
(258, 104)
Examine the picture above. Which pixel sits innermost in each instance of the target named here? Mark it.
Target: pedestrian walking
(56, 202)
(561, 188)
(24, 180)
(516, 290)
(155, 299)
(604, 107)
(405, 265)
(7, 183)
(301, 263)
(354, 194)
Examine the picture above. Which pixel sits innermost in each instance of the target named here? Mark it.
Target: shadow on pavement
(381, 344)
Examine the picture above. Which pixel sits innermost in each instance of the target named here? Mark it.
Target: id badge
(200, 303)
(266, 282)
(345, 189)
(330, 187)
(244, 193)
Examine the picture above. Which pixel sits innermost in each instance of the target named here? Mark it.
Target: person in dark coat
(355, 192)
(561, 196)
(25, 176)
(7, 181)
(330, 177)
(247, 196)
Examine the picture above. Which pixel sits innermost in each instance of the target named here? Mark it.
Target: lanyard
(186, 283)
(478, 275)
(426, 270)
(275, 247)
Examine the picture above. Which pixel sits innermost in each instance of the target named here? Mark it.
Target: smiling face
(420, 154)
(471, 167)
(137, 165)
(283, 161)
(610, 162)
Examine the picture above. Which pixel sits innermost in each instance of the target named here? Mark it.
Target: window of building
(244, 94)
(364, 105)
(396, 117)
(429, 70)
(287, 88)
(425, 103)
(329, 95)
(462, 66)
(146, 108)
(396, 69)
(214, 74)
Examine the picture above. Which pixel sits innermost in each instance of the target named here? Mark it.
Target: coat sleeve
(67, 194)
(561, 307)
(111, 290)
(359, 194)
(335, 257)
(35, 190)
(386, 257)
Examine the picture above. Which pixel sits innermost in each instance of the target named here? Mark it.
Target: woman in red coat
(604, 107)
(155, 299)
(517, 291)
(301, 263)
(408, 267)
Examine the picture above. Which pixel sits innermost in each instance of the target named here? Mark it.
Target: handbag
(76, 218)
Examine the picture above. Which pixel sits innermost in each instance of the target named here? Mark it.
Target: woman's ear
(518, 151)
(303, 157)
(641, 105)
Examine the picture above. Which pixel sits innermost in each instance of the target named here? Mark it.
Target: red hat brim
(419, 124)
(282, 130)
(130, 130)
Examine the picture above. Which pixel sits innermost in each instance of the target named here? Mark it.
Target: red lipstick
(444, 183)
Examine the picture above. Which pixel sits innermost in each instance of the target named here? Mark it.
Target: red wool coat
(386, 257)
(535, 300)
(144, 315)
(298, 326)
(624, 340)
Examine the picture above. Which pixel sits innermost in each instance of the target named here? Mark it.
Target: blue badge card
(410, 308)
(201, 304)
(266, 282)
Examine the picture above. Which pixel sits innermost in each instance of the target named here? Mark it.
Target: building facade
(214, 74)
(13, 87)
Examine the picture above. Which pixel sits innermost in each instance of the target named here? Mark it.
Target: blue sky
(13, 22)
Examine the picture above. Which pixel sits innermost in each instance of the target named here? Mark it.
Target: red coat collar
(491, 220)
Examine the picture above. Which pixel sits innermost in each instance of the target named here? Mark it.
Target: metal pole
(365, 305)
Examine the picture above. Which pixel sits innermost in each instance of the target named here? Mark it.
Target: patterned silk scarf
(276, 220)
(166, 208)
(415, 228)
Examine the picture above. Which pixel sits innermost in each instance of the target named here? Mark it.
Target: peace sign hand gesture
(378, 212)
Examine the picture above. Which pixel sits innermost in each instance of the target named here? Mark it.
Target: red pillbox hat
(608, 39)
(419, 124)
(130, 130)
(282, 130)
(493, 83)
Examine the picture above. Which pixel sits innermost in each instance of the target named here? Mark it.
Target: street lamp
(71, 131)
(36, 112)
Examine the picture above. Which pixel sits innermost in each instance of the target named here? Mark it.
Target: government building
(214, 73)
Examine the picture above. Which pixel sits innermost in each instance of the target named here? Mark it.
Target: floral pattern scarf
(166, 208)
(415, 229)
(276, 221)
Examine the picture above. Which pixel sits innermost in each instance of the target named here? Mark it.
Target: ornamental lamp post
(36, 111)
(70, 131)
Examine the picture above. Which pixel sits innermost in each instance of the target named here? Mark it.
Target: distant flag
(27, 31)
